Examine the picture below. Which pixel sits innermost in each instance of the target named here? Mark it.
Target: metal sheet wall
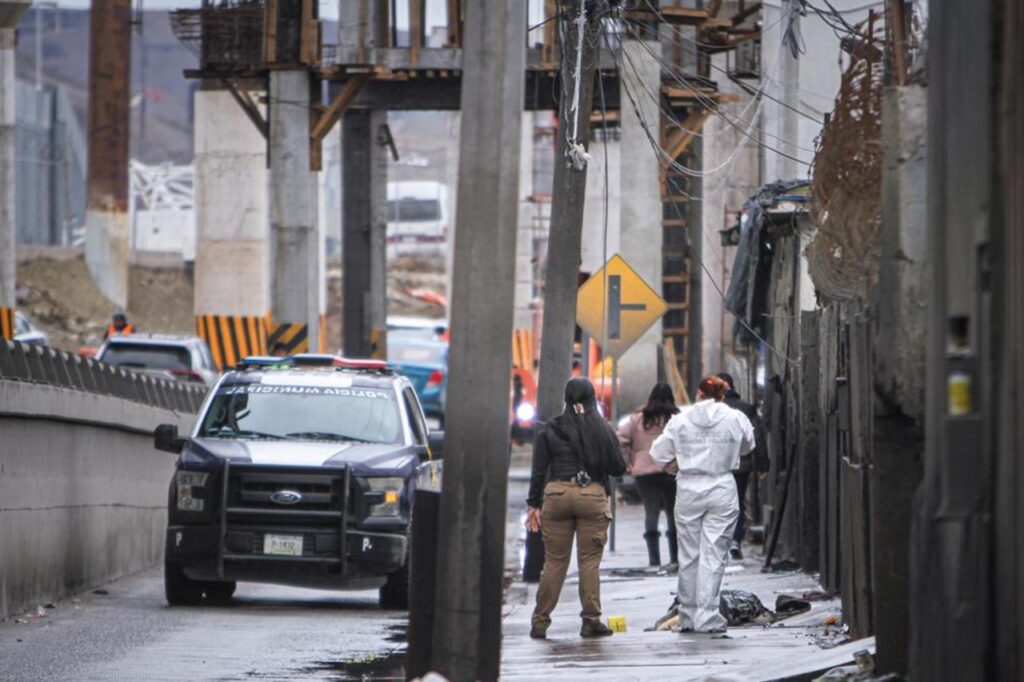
(50, 167)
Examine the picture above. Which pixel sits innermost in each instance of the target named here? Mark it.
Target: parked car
(430, 327)
(181, 358)
(298, 475)
(425, 362)
(26, 332)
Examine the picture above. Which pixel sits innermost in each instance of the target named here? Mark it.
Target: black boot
(594, 628)
(673, 552)
(653, 551)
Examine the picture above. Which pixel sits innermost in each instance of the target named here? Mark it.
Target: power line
(661, 153)
(681, 36)
(716, 108)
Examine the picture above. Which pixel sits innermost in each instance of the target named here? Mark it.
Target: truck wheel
(179, 589)
(220, 591)
(395, 593)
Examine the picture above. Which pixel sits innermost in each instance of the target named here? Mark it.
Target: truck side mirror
(436, 442)
(165, 438)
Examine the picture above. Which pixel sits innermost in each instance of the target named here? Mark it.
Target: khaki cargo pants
(571, 510)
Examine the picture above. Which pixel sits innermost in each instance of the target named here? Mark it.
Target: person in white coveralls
(706, 439)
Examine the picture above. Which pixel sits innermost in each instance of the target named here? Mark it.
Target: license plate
(282, 545)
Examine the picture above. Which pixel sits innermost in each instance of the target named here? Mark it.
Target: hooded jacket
(706, 438)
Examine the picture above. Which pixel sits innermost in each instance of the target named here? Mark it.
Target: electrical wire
(661, 153)
(681, 36)
(675, 165)
(715, 107)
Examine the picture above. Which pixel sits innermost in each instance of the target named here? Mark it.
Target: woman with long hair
(575, 456)
(706, 440)
(657, 489)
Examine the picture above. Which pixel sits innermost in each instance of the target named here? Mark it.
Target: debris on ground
(785, 566)
(862, 670)
(787, 605)
(831, 638)
(740, 607)
(819, 595)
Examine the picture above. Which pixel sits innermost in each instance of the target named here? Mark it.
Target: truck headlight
(188, 484)
(525, 412)
(392, 488)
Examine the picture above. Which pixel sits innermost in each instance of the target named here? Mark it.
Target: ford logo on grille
(286, 497)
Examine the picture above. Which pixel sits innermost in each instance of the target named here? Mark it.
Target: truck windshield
(303, 412)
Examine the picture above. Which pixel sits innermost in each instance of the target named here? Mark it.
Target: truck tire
(220, 591)
(179, 589)
(394, 595)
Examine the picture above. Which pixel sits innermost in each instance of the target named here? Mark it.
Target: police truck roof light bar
(313, 361)
(263, 361)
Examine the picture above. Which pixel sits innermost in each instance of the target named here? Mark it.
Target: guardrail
(44, 365)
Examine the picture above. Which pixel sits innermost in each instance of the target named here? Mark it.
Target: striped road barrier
(233, 337)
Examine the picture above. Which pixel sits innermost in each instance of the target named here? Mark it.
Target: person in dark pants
(575, 456)
(657, 489)
(757, 460)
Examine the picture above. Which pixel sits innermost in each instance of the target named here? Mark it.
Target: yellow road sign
(616, 306)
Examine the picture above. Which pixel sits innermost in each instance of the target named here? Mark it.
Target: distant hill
(162, 118)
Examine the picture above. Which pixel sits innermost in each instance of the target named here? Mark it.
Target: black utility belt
(580, 478)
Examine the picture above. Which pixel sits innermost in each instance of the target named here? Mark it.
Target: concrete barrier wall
(83, 493)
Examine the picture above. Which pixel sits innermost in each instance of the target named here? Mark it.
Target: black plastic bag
(739, 607)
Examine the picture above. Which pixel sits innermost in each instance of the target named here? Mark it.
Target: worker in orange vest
(118, 326)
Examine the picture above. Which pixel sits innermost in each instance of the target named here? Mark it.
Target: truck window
(147, 356)
(415, 415)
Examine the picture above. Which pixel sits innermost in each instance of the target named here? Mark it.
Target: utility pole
(470, 554)
(789, 132)
(561, 278)
(12, 12)
(106, 214)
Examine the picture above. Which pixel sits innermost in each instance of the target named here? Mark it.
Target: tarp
(747, 295)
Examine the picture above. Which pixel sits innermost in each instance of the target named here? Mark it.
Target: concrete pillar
(364, 234)
(640, 216)
(360, 31)
(294, 233)
(106, 217)
(8, 227)
(231, 273)
(593, 251)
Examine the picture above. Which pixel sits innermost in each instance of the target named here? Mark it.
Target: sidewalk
(745, 653)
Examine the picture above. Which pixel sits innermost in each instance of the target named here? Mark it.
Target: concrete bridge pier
(295, 267)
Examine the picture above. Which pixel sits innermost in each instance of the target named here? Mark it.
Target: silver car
(181, 358)
(26, 332)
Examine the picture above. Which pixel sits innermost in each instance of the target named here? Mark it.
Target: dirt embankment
(59, 296)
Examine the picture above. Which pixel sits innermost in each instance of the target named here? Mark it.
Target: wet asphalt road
(267, 632)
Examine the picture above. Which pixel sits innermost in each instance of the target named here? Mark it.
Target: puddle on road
(390, 666)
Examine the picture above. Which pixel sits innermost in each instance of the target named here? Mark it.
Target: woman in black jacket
(575, 456)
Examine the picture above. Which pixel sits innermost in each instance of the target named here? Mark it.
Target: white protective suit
(706, 440)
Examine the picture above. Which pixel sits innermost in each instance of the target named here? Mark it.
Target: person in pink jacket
(657, 489)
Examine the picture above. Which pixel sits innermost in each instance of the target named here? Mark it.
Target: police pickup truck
(298, 472)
